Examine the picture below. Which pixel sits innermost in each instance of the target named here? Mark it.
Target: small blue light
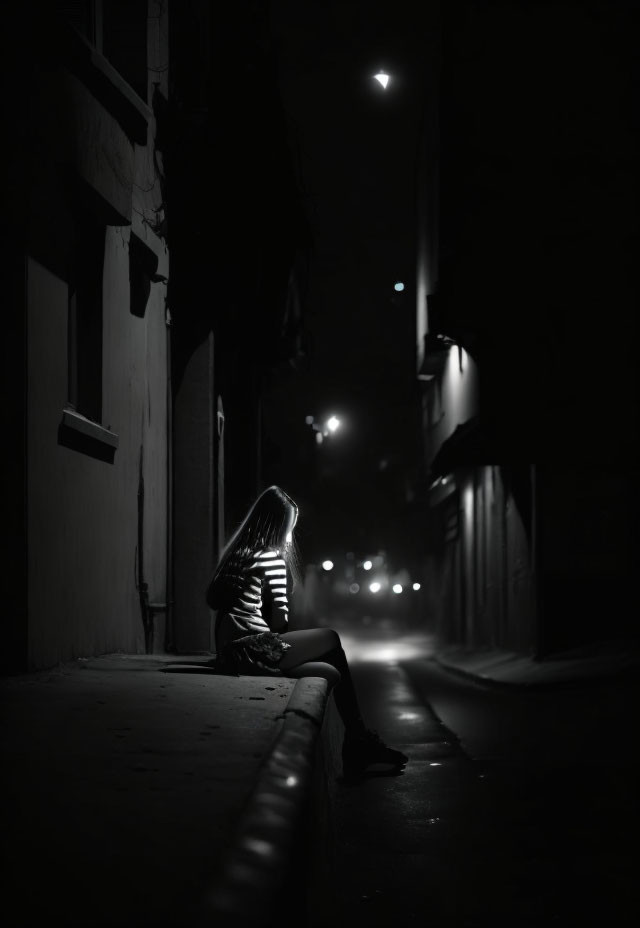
(399, 286)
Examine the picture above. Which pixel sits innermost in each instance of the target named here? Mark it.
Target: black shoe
(363, 750)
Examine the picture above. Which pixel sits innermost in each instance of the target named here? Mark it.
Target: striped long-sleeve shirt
(254, 598)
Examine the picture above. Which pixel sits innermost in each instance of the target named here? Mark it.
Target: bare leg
(314, 646)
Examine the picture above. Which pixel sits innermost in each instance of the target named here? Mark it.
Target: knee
(331, 674)
(330, 640)
(316, 669)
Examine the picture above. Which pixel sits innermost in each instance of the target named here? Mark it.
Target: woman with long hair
(249, 590)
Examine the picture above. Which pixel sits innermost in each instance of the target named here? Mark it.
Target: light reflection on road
(385, 644)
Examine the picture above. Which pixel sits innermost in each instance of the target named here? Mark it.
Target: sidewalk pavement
(138, 795)
(603, 662)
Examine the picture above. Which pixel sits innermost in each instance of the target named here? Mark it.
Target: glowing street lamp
(368, 565)
(327, 565)
(374, 587)
(399, 286)
(416, 586)
(397, 588)
(382, 78)
(331, 425)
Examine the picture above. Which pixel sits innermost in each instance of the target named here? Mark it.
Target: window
(118, 30)
(85, 317)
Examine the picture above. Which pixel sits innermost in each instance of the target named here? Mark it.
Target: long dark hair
(263, 528)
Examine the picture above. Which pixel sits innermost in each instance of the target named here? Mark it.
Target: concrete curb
(513, 672)
(259, 857)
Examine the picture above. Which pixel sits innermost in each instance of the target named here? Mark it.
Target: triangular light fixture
(382, 78)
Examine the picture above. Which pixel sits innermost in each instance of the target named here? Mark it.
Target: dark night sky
(356, 157)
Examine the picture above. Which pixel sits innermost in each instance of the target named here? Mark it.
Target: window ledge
(108, 85)
(79, 423)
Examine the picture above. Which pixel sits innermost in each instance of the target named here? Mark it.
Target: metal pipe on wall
(169, 638)
(150, 610)
(143, 589)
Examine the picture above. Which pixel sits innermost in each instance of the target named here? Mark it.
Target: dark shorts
(254, 655)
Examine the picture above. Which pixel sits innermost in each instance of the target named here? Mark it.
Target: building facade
(87, 359)
(238, 236)
(527, 235)
(132, 387)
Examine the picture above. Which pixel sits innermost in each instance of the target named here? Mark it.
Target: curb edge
(258, 859)
(560, 682)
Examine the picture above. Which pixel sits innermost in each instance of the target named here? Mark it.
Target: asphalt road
(516, 808)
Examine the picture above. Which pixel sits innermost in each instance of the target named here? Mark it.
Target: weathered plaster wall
(82, 511)
(83, 517)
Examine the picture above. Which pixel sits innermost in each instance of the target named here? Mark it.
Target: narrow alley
(517, 807)
(320, 314)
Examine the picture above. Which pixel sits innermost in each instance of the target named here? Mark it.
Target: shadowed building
(238, 239)
(87, 347)
(121, 152)
(527, 310)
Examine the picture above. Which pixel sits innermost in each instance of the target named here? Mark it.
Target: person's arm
(223, 590)
(274, 591)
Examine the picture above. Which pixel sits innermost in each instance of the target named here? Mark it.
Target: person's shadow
(209, 666)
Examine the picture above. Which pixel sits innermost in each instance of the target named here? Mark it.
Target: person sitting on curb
(249, 593)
